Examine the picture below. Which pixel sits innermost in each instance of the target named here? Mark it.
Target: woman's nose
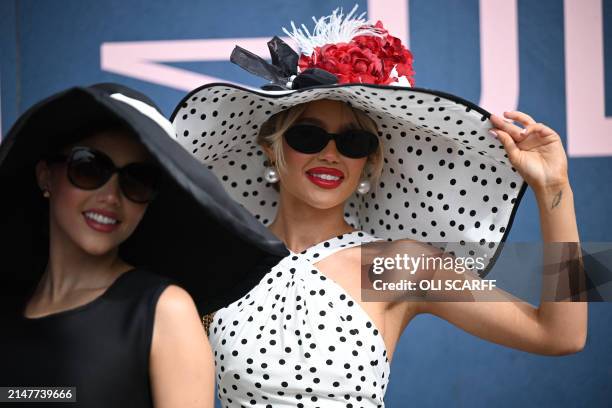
(329, 152)
(110, 191)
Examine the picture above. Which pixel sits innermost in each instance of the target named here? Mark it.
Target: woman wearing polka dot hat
(339, 150)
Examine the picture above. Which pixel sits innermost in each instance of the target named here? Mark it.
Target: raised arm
(181, 365)
(554, 328)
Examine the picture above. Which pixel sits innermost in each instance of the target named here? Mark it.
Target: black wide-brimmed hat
(445, 178)
(192, 231)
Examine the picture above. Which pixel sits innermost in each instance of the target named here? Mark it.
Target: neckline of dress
(347, 241)
(332, 239)
(83, 307)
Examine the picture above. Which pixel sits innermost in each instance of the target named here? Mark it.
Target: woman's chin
(324, 200)
(97, 247)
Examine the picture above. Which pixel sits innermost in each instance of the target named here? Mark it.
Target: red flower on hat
(365, 59)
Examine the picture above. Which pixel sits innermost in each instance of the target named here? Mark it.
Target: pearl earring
(46, 193)
(271, 175)
(364, 186)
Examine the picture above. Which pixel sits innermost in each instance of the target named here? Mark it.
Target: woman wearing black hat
(331, 157)
(103, 216)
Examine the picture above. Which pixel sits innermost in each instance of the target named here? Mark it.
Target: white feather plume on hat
(332, 29)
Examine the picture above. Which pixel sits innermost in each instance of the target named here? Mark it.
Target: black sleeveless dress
(102, 348)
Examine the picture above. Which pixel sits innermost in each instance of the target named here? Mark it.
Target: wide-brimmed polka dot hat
(445, 181)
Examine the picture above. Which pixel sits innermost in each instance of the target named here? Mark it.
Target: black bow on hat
(282, 72)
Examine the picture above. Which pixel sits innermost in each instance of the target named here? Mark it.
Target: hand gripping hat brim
(445, 177)
(192, 232)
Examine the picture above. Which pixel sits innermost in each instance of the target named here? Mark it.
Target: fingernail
(493, 133)
(524, 131)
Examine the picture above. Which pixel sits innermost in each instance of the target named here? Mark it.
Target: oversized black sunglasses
(90, 169)
(353, 143)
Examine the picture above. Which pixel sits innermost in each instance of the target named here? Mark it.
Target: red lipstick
(101, 220)
(325, 177)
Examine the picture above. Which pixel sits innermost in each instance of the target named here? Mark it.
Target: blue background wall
(50, 45)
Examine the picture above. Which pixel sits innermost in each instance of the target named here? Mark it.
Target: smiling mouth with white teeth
(325, 176)
(100, 219)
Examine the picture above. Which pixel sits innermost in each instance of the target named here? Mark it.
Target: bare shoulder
(175, 298)
(177, 322)
(181, 363)
(344, 265)
(401, 307)
(175, 306)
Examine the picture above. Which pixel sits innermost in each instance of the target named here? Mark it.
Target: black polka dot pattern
(445, 178)
(299, 339)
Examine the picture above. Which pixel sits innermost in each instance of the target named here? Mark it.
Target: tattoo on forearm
(556, 200)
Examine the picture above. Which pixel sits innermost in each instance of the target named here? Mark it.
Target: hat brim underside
(191, 219)
(445, 181)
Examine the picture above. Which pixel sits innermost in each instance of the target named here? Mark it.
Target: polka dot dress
(298, 339)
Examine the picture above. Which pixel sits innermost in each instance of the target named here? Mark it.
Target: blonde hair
(272, 131)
